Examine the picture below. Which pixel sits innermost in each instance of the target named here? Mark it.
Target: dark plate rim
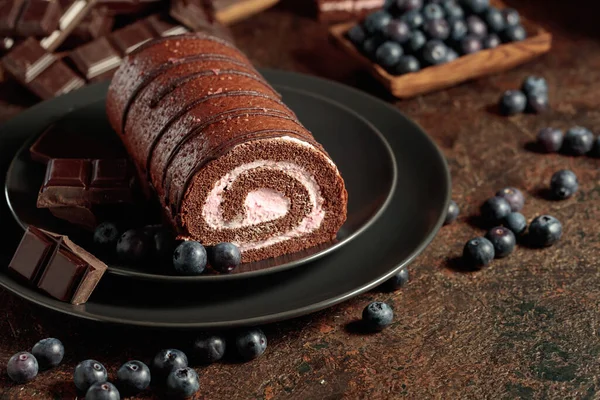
(250, 274)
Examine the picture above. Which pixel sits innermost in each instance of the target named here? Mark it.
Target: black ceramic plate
(404, 229)
(362, 155)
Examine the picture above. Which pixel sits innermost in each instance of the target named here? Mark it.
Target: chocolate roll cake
(228, 160)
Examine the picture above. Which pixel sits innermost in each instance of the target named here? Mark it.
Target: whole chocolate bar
(57, 266)
(39, 18)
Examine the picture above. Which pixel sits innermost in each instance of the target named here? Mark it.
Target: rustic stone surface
(527, 327)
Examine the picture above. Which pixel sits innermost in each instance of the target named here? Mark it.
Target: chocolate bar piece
(10, 10)
(96, 24)
(71, 17)
(55, 80)
(131, 37)
(86, 218)
(197, 15)
(39, 18)
(164, 26)
(96, 58)
(343, 10)
(57, 266)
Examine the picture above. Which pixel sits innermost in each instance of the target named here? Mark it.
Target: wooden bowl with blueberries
(419, 46)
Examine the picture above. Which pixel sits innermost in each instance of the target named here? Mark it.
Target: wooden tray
(464, 68)
(243, 9)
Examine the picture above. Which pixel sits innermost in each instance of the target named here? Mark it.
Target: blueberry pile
(577, 141)
(408, 35)
(155, 243)
(532, 98)
(45, 354)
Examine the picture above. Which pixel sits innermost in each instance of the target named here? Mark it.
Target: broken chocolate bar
(57, 266)
(39, 18)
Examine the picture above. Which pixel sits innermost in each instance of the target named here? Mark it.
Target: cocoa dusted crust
(192, 108)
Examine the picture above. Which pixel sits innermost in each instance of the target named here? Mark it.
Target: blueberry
(432, 12)
(453, 10)
(550, 140)
(452, 55)
(49, 352)
(166, 361)
(476, 26)
(476, 6)
(398, 31)
(251, 343)
(357, 35)
(578, 141)
(416, 42)
(182, 383)
(224, 257)
(397, 281)
(513, 102)
(388, 54)
(545, 230)
(406, 65)
(371, 44)
(437, 29)
(22, 367)
(102, 391)
(414, 19)
(209, 349)
(494, 19)
(106, 236)
(503, 240)
(514, 34)
(511, 17)
(435, 52)
(516, 222)
(377, 21)
(452, 212)
(478, 252)
(458, 29)
(134, 246)
(537, 103)
(596, 148)
(514, 197)
(133, 377)
(492, 41)
(377, 316)
(189, 258)
(564, 184)
(409, 5)
(470, 45)
(87, 373)
(533, 85)
(494, 210)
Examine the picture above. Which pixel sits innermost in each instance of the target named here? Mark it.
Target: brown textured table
(527, 327)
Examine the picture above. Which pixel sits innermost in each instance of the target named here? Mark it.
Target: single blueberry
(377, 316)
(182, 383)
(208, 349)
(22, 367)
(458, 30)
(397, 281)
(357, 35)
(514, 34)
(388, 54)
(578, 141)
(417, 42)
(435, 52)
(494, 19)
(537, 103)
(102, 391)
(406, 65)
(451, 213)
(476, 6)
(503, 240)
(550, 140)
(224, 257)
(471, 44)
(189, 258)
(534, 85)
(514, 197)
(564, 184)
(49, 352)
(453, 10)
(545, 230)
(409, 5)
(106, 236)
(251, 343)
(166, 361)
(398, 31)
(452, 55)
(87, 373)
(134, 246)
(432, 12)
(494, 210)
(476, 26)
(596, 148)
(516, 222)
(478, 252)
(371, 45)
(414, 19)
(437, 29)
(133, 377)
(377, 21)
(513, 102)
(492, 41)
(511, 17)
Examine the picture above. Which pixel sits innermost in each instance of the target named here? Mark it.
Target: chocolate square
(55, 80)
(39, 18)
(95, 58)
(164, 26)
(27, 60)
(62, 275)
(9, 14)
(34, 251)
(67, 172)
(110, 173)
(132, 36)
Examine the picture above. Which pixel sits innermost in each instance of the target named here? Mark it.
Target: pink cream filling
(263, 205)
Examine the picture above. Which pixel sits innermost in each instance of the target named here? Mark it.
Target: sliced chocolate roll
(227, 159)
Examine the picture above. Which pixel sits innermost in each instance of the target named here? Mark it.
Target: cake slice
(228, 160)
